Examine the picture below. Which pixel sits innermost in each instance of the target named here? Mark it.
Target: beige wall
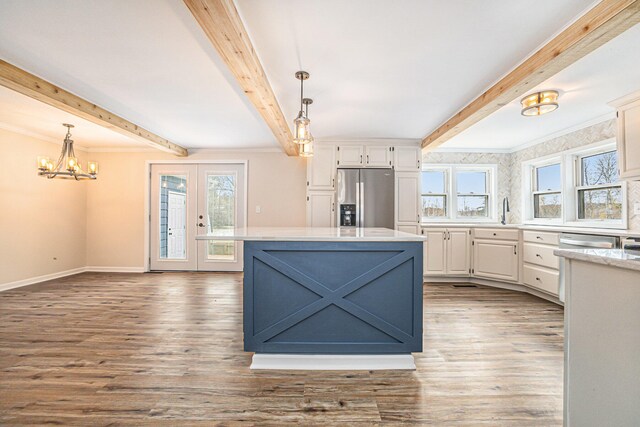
(116, 203)
(42, 222)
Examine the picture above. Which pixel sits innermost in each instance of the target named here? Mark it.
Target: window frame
(451, 193)
(530, 169)
(571, 173)
(447, 197)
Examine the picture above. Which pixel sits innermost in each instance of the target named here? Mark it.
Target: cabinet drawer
(540, 237)
(496, 233)
(541, 278)
(540, 255)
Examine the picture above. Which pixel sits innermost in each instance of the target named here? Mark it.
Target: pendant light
(306, 150)
(301, 123)
(67, 165)
(539, 103)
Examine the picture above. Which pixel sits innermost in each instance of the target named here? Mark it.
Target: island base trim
(333, 362)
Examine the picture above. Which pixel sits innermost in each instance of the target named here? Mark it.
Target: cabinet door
(629, 140)
(458, 251)
(496, 259)
(350, 155)
(435, 252)
(320, 209)
(407, 158)
(407, 193)
(321, 168)
(378, 156)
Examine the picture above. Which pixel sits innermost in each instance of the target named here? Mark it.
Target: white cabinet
(320, 209)
(378, 156)
(321, 169)
(496, 259)
(413, 229)
(407, 158)
(350, 156)
(407, 193)
(447, 251)
(628, 136)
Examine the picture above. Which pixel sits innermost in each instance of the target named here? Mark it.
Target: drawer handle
(539, 256)
(538, 237)
(538, 279)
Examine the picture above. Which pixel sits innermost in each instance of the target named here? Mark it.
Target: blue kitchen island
(331, 298)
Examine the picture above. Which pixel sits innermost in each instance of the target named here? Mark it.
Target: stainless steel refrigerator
(365, 198)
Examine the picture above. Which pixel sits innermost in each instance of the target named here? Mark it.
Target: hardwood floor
(153, 349)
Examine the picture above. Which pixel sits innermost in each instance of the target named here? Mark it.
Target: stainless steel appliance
(583, 241)
(365, 198)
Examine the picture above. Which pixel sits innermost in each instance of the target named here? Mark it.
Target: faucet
(505, 209)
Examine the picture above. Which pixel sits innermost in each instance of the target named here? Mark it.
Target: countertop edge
(609, 257)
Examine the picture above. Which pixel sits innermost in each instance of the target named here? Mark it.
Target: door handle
(360, 158)
(367, 159)
(200, 225)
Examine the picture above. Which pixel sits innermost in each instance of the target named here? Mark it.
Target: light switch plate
(636, 208)
(258, 209)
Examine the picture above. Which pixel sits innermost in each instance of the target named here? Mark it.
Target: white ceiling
(394, 69)
(379, 68)
(147, 61)
(585, 87)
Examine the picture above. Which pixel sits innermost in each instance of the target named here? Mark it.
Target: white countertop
(611, 257)
(314, 234)
(551, 228)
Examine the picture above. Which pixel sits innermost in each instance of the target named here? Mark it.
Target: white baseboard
(38, 279)
(59, 274)
(333, 362)
(101, 269)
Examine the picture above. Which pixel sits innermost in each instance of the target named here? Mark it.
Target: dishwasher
(583, 241)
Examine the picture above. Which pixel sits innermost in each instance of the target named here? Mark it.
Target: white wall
(115, 205)
(42, 221)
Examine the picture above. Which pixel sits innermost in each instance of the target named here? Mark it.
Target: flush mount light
(301, 133)
(539, 103)
(67, 166)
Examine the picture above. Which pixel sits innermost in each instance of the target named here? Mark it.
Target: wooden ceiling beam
(603, 22)
(25, 83)
(220, 21)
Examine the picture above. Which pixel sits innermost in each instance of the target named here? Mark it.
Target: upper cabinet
(407, 158)
(378, 156)
(321, 168)
(628, 136)
(350, 156)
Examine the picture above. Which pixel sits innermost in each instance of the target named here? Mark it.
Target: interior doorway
(188, 199)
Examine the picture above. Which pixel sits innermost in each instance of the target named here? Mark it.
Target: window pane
(471, 182)
(547, 205)
(434, 206)
(548, 178)
(601, 203)
(433, 182)
(600, 169)
(173, 217)
(473, 206)
(221, 214)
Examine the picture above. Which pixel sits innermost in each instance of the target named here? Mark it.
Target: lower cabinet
(446, 251)
(496, 259)
(320, 209)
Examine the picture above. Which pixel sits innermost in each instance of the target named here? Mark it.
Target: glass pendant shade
(539, 103)
(301, 129)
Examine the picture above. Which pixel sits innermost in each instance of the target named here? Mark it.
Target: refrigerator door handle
(361, 201)
(358, 205)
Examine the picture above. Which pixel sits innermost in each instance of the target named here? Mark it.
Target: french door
(191, 199)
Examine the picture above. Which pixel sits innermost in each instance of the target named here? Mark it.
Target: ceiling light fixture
(306, 150)
(67, 166)
(539, 103)
(301, 133)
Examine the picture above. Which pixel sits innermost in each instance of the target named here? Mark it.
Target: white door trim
(147, 192)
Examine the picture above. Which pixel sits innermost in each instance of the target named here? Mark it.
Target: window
(434, 194)
(547, 191)
(457, 192)
(579, 187)
(599, 193)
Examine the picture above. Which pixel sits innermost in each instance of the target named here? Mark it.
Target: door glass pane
(434, 206)
(433, 182)
(221, 215)
(601, 203)
(600, 169)
(473, 206)
(173, 217)
(471, 182)
(547, 205)
(548, 178)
